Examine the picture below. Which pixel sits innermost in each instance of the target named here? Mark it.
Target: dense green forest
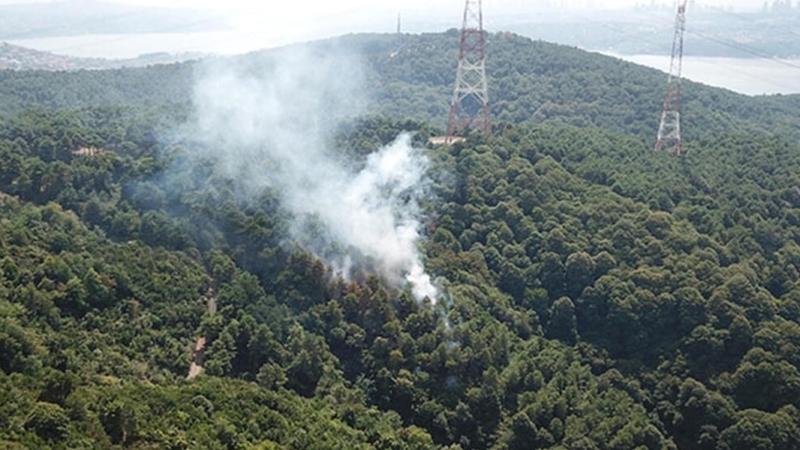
(599, 295)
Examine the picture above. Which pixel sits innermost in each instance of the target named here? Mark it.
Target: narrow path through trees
(196, 367)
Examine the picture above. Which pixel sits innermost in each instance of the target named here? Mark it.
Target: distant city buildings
(779, 6)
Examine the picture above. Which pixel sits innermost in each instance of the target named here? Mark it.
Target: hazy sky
(310, 17)
(315, 8)
(303, 16)
(267, 23)
(261, 24)
(328, 5)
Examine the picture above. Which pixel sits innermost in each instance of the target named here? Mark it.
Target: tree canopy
(600, 295)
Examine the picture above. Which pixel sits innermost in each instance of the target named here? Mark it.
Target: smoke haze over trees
(272, 127)
(598, 295)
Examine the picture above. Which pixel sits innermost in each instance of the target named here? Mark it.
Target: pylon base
(445, 140)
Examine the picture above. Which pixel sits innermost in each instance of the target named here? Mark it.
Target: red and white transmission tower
(470, 105)
(669, 131)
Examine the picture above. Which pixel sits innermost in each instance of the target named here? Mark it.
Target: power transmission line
(744, 49)
(747, 19)
(470, 105)
(669, 130)
(721, 62)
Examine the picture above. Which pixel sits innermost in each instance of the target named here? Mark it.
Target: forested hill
(534, 81)
(412, 75)
(13, 57)
(600, 296)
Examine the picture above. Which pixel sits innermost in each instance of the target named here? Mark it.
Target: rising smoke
(271, 127)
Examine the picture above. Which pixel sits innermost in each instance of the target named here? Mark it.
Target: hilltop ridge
(411, 76)
(17, 58)
(597, 295)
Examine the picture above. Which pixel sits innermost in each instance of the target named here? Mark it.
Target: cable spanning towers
(669, 131)
(470, 105)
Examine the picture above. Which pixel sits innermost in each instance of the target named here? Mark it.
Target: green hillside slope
(411, 76)
(599, 295)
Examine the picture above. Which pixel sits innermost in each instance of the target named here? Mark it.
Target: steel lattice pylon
(470, 105)
(669, 131)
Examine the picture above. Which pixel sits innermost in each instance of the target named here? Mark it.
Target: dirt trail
(196, 368)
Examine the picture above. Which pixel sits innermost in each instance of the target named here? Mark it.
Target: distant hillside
(75, 17)
(14, 57)
(648, 31)
(535, 81)
(412, 75)
(598, 295)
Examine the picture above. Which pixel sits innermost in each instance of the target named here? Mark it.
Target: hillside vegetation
(411, 76)
(599, 295)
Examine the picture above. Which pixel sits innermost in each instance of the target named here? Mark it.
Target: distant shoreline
(752, 76)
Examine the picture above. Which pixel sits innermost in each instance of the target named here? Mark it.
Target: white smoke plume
(270, 127)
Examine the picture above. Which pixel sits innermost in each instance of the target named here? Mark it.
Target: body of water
(124, 46)
(745, 75)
